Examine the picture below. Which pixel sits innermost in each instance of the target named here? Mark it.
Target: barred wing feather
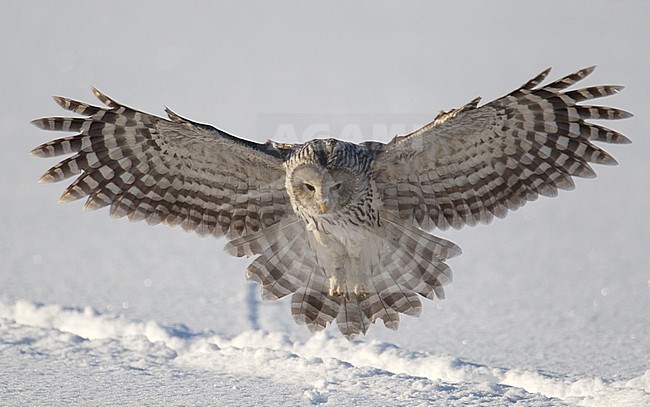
(475, 163)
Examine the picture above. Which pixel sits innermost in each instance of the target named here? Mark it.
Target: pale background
(560, 287)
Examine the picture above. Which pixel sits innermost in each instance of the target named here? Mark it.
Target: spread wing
(474, 163)
(174, 171)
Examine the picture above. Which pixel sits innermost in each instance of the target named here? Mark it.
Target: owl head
(324, 176)
(320, 190)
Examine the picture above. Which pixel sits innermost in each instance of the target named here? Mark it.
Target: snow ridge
(322, 370)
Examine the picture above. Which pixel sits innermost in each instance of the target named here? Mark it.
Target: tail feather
(311, 305)
(288, 282)
(419, 258)
(286, 264)
(351, 319)
(407, 262)
(284, 261)
(390, 297)
(375, 307)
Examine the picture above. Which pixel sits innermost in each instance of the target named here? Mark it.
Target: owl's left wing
(475, 163)
(173, 171)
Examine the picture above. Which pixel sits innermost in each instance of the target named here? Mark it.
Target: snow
(81, 346)
(548, 307)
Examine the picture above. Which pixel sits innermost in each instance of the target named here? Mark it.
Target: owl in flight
(340, 226)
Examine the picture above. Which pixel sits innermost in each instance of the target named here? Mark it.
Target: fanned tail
(410, 262)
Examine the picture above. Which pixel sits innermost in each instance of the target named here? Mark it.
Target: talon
(336, 292)
(361, 292)
(335, 288)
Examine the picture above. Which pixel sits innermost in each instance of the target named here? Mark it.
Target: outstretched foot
(336, 290)
(360, 291)
(335, 287)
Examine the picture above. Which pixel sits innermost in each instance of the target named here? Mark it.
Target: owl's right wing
(475, 163)
(176, 171)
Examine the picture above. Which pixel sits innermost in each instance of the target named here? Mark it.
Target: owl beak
(323, 207)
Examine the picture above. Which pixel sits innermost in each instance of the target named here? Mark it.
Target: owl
(339, 226)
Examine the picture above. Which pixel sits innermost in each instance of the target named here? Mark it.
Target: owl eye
(309, 187)
(335, 187)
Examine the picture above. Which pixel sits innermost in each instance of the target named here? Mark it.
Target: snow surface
(548, 307)
(100, 357)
